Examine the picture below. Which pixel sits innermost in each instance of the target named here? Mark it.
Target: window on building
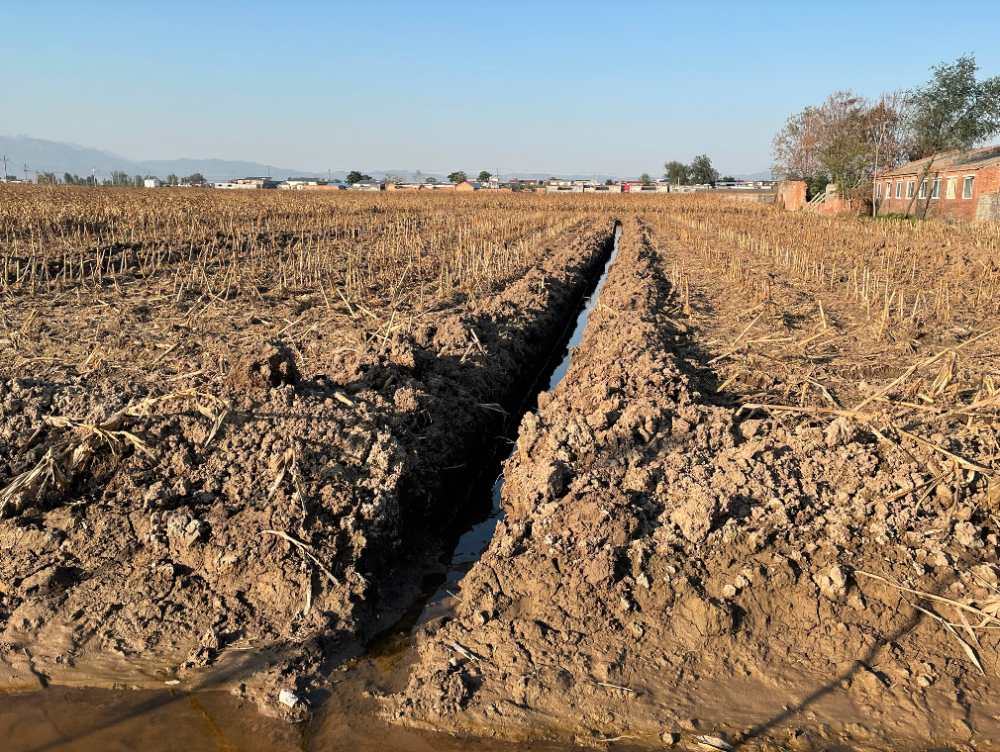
(936, 188)
(923, 189)
(952, 186)
(878, 191)
(909, 188)
(967, 187)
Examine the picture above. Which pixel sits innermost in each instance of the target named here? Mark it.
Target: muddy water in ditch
(469, 535)
(61, 719)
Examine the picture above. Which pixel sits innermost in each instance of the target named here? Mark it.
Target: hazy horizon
(544, 87)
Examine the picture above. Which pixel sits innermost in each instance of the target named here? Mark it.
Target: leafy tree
(417, 176)
(356, 177)
(46, 178)
(676, 172)
(120, 178)
(701, 172)
(952, 111)
(846, 140)
(646, 180)
(609, 181)
(137, 181)
(842, 146)
(484, 176)
(817, 184)
(432, 181)
(194, 178)
(727, 179)
(77, 180)
(457, 177)
(172, 179)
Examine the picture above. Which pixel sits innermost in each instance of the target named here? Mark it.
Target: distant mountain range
(53, 156)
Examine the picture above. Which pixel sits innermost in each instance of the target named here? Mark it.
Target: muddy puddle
(61, 718)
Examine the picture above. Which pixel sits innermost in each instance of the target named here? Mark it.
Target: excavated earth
(246, 537)
(671, 565)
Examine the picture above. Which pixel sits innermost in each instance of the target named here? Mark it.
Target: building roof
(953, 160)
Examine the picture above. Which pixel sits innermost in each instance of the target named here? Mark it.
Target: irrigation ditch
(695, 533)
(332, 702)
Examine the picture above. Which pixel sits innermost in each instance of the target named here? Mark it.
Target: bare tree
(795, 149)
(884, 125)
(845, 140)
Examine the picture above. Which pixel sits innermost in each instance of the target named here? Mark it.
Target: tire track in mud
(667, 568)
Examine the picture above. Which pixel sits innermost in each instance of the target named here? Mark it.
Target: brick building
(960, 186)
(792, 195)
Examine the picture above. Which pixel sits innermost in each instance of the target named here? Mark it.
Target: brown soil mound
(671, 565)
(263, 526)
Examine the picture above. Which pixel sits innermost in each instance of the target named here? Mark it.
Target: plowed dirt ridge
(763, 504)
(674, 562)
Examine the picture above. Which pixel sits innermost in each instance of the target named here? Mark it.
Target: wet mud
(246, 537)
(744, 507)
(673, 564)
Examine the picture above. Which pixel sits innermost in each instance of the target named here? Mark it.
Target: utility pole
(93, 171)
(25, 173)
(5, 168)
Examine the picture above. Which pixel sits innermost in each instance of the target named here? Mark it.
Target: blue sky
(558, 87)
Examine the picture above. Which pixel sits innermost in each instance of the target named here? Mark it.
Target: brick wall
(988, 208)
(792, 194)
(956, 209)
(834, 205)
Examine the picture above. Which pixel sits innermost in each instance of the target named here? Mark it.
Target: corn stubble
(134, 267)
(884, 328)
(166, 292)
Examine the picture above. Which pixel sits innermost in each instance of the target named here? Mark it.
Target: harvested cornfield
(762, 506)
(258, 406)
(145, 265)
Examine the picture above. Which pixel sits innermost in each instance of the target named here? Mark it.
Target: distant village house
(367, 185)
(250, 183)
(957, 186)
